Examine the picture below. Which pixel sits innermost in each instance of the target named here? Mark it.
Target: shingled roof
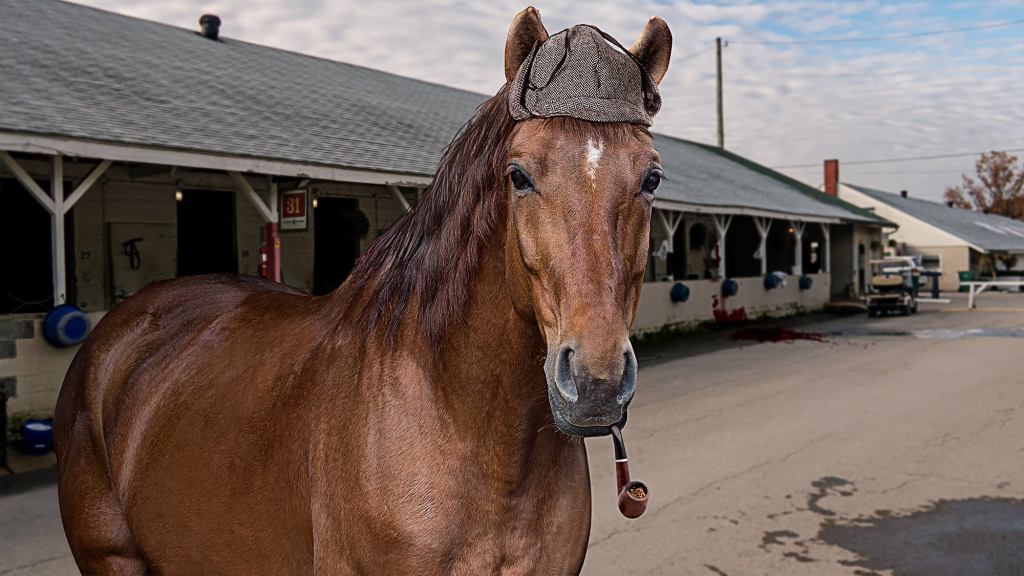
(88, 73)
(702, 177)
(987, 232)
(78, 72)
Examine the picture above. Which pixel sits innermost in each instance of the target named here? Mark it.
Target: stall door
(337, 227)
(206, 233)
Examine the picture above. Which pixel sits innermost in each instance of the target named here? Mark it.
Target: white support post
(57, 231)
(42, 197)
(826, 233)
(57, 206)
(856, 260)
(86, 184)
(764, 225)
(269, 213)
(798, 248)
(400, 197)
(273, 200)
(669, 222)
(722, 223)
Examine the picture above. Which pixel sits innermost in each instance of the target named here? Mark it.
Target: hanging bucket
(66, 325)
(679, 293)
(730, 287)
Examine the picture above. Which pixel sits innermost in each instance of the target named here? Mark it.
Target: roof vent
(209, 26)
(903, 193)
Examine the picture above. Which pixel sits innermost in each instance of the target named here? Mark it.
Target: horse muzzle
(589, 395)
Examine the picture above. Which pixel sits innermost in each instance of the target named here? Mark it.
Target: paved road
(895, 444)
(31, 538)
(812, 458)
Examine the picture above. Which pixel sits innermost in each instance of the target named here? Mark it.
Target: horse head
(582, 174)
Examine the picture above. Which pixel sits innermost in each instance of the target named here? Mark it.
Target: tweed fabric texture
(584, 73)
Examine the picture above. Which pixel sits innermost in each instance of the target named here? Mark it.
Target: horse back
(194, 392)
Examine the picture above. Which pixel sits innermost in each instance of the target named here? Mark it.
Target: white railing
(977, 287)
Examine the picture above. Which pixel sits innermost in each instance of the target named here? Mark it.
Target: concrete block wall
(35, 369)
(656, 310)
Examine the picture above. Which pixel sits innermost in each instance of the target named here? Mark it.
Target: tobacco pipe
(633, 495)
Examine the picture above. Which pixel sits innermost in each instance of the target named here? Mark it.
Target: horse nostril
(628, 385)
(564, 380)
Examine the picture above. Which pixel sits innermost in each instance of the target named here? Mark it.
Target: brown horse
(406, 423)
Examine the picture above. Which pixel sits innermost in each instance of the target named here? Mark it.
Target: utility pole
(721, 121)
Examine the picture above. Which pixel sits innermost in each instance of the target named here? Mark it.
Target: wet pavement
(946, 538)
(826, 446)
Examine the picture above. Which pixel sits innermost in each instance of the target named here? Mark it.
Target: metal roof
(78, 72)
(987, 232)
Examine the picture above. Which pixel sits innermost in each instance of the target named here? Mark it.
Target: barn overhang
(57, 203)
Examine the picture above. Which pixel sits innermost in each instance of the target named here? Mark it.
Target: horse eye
(520, 181)
(651, 182)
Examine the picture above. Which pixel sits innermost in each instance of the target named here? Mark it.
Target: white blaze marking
(594, 158)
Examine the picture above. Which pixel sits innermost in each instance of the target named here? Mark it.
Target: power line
(874, 172)
(903, 159)
(881, 38)
(678, 61)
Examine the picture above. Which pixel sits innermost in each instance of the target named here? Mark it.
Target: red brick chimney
(832, 178)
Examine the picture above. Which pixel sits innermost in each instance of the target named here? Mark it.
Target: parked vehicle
(893, 286)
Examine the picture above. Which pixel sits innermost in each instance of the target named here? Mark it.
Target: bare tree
(999, 188)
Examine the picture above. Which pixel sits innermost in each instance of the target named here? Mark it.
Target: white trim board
(738, 210)
(39, 144)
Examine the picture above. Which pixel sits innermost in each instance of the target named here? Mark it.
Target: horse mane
(431, 254)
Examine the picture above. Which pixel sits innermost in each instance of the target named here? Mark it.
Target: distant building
(946, 238)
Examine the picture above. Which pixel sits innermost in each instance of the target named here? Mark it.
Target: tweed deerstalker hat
(584, 73)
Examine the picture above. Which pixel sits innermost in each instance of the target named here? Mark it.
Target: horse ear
(526, 30)
(654, 48)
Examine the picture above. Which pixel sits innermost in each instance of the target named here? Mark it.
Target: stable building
(723, 221)
(133, 151)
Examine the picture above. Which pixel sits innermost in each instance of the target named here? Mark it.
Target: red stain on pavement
(776, 334)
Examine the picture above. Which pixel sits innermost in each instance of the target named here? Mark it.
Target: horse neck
(490, 370)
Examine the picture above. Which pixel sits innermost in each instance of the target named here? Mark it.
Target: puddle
(933, 334)
(950, 537)
(778, 334)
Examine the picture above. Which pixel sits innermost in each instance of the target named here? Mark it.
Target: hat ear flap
(654, 48)
(525, 32)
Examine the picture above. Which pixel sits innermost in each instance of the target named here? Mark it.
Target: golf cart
(893, 287)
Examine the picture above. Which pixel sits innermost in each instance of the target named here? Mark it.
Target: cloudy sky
(791, 100)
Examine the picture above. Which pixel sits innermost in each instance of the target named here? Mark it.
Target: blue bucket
(730, 287)
(66, 325)
(37, 436)
(680, 292)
